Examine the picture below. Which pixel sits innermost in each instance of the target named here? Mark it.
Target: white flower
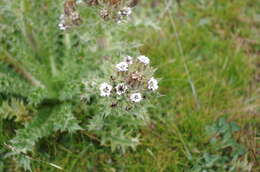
(121, 21)
(126, 11)
(62, 17)
(121, 88)
(128, 59)
(105, 89)
(122, 67)
(62, 25)
(143, 59)
(75, 16)
(104, 14)
(79, 1)
(136, 97)
(152, 84)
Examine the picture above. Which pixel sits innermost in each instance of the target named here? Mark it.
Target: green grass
(206, 54)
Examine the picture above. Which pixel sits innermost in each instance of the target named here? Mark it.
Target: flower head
(104, 13)
(62, 17)
(75, 16)
(126, 11)
(120, 20)
(121, 88)
(62, 25)
(136, 97)
(105, 89)
(122, 67)
(79, 1)
(143, 59)
(153, 84)
(128, 59)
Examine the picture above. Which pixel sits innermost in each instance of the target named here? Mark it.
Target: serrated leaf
(45, 123)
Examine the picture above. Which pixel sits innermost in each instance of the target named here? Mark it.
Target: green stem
(53, 66)
(183, 58)
(7, 58)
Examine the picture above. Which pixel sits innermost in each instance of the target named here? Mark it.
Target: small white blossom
(136, 97)
(104, 13)
(79, 1)
(126, 11)
(128, 59)
(122, 67)
(153, 84)
(62, 17)
(75, 16)
(105, 89)
(143, 59)
(62, 25)
(121, 88)
(121, 21)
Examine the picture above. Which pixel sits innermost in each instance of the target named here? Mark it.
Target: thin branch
(7, 58)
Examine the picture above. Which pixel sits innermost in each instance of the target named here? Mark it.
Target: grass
(207, 54)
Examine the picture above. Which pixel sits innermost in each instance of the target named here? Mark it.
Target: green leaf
(234, 127)
(46, 122)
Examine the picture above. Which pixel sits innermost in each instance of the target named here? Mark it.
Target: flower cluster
(123, 14)
(117, 10)
(115, 3)
(70, 17)
(133, 80)
(120, 15)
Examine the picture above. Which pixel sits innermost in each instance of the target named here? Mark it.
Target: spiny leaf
(47, 121)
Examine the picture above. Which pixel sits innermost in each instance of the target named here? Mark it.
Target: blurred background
(207, 55)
